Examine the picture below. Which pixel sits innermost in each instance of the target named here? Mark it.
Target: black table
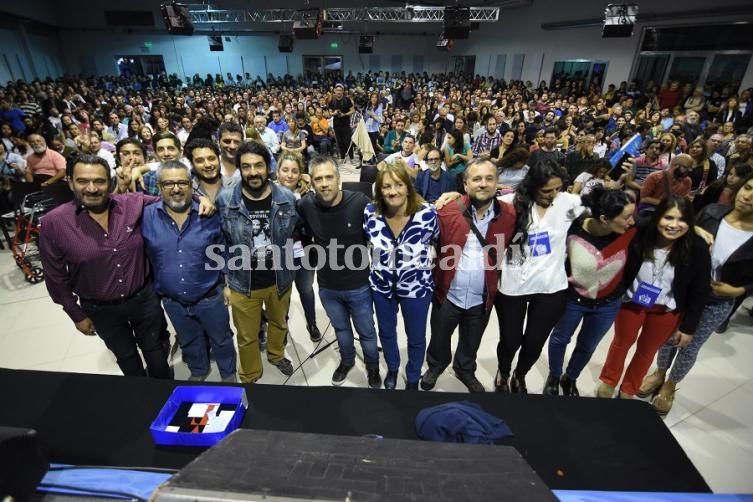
(572, 443)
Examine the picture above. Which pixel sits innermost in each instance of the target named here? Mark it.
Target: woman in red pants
(668, 279)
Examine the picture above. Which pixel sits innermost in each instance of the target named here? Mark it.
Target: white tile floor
(712, 417)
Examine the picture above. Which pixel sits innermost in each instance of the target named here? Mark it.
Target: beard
(203, 177)
(178, 206)
(96, 208)
(255, 192)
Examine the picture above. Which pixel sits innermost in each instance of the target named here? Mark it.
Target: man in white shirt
(95, 147)
(268, 136)
(466, 273)
(714, 143)
(185, 129)
(118, 130)
(407, 154)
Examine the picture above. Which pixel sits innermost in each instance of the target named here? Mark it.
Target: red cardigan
(453, 232)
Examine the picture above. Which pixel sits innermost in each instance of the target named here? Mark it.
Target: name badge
(539, 244)
(646, 295)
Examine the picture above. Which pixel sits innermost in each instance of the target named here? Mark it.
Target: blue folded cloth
(460, 422)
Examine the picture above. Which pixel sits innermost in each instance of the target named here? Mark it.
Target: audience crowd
(559, 205)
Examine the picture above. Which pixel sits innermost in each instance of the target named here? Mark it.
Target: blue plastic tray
(198, 394)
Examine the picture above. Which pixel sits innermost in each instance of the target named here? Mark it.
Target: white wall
(257, 55)
(28, 56)
(91, 48)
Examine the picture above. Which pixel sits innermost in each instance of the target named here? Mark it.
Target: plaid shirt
(150, 183)
(485, 143)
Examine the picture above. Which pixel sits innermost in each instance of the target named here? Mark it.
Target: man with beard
(334, 218)
(433, 182)
(43, 166)
(488, 139)
(342, 108)
(548, 149)
(92, 249)
(204, 156)
(258, 277)
(185, 277)
(651, 161)
(674, 180)
(474, 232)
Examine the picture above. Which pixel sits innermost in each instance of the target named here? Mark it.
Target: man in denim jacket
(258, 218)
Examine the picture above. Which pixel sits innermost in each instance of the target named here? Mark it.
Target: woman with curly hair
(533, 285)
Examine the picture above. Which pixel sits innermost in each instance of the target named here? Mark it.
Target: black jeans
(137, 323)
(343, 134)
(540, 313)
(445, 317)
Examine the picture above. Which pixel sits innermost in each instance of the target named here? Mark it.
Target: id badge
(646, 295)
(539, 244)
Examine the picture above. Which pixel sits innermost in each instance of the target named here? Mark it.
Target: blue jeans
(304, 284)
(342, 306)
(415, 313)
(596, 323)
(208, 319)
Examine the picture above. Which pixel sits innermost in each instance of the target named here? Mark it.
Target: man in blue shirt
(186, 279)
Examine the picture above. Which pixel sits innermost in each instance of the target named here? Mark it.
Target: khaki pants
(247, 317)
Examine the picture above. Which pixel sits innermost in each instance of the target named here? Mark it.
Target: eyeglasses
(433, 159)
(169, 185)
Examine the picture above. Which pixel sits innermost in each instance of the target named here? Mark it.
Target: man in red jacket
(474, 233)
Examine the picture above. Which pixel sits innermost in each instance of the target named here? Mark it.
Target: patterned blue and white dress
(401, 265)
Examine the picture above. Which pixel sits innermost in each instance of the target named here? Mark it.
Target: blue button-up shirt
(179, 255)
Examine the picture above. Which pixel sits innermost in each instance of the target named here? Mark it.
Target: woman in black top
(731, 230)
(667, 280)
(597, 250)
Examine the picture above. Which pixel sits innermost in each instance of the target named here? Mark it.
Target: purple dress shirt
(81, 259)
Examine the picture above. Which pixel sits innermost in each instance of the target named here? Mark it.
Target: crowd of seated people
(563, 204)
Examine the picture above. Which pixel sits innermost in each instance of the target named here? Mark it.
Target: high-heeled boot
(665, 398)
(652, 383)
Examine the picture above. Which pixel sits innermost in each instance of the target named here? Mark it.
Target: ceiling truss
(203, 15)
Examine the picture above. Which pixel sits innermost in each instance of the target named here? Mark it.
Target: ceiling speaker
(309, 26)
(286, 43)
(366, 44)
(457, 22)
(177, 18)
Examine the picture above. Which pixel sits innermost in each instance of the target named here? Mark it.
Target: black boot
(518, 384)
(568, 387)
(501, 383)
(552, 386)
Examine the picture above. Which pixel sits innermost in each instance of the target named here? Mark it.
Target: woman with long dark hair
(722, 190)
(533, 284)
(667, 279)
(704, 170)
(456, 152)
(731, 281)
(597, 245)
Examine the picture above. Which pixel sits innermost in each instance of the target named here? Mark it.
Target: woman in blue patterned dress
(401, 229)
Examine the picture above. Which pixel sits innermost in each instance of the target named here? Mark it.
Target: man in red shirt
(654, 189)
(670, 96)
